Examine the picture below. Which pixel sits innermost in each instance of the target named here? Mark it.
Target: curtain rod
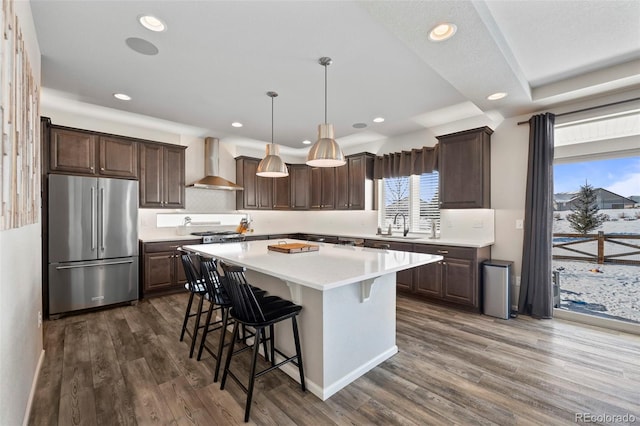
(588, 109)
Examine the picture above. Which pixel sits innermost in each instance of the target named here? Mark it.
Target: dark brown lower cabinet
(161, 270)
(456, 280)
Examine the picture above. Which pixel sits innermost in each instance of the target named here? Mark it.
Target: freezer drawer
(82, 285)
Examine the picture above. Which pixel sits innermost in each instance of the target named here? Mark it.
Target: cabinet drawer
(167, 245)
(447, 251)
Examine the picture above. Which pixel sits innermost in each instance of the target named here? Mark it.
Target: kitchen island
(348, 294)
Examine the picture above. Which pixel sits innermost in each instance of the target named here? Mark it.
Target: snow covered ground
(607, 290)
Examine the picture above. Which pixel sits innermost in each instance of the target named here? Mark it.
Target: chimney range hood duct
(212, 169)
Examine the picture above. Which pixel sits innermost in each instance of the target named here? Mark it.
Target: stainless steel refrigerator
(93, 242)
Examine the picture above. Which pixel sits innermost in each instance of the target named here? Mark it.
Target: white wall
(20, 286)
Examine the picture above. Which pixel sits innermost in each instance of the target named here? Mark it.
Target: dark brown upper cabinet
(161, 175)
(465, 169)
(87, 153)
(323, 186)
(299, 176)
(317, 188)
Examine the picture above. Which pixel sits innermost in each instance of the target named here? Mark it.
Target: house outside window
(414, 196)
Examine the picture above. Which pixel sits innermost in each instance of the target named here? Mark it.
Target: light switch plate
(519, 224)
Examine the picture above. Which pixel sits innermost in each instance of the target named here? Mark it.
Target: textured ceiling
(217, 60)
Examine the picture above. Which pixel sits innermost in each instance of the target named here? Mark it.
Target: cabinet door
(427, 279)
(357, 180)
(72, 152)
(459, 282)
(342, 186)
(265, 193)
(282, 192)
(180, 277)
(151, 175)
(328, 188)
(158, 270)
(118, 157)
(246, 176)
(173, 177)
(315, 188)
(299, 175)
(404, 279)
(464, 167)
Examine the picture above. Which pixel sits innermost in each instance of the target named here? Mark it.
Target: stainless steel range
(211, 237)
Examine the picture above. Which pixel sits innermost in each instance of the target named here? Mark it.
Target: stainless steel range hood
(212, 169)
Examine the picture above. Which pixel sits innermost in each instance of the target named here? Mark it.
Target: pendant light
(272, 165)
(325, 152)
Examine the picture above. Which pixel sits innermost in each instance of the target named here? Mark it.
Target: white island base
(348, 298)
(343, 333)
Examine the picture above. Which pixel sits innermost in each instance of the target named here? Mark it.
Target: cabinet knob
(102, 169)
(91, 168)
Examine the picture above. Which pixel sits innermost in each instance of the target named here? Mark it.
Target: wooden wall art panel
(19, 127)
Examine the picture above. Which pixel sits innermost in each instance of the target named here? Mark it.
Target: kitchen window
(414, 196)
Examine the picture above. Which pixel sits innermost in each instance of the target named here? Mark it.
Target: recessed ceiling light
(152, 23)
(378, 120)
(236, 124)
(496, 96)
(442, 31)
(122, 96)
(306, 142)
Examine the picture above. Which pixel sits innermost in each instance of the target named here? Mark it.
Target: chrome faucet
(404, 223)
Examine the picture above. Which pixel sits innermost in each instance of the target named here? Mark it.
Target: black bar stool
(219, 299)
(196, 287)
(259, 313)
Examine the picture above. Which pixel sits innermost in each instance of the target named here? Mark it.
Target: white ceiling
(217, 60)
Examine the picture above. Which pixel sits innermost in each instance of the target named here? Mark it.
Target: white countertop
(330, 267)
(170, 234)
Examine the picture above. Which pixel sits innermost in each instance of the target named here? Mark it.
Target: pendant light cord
(325, 94)
(271, 120)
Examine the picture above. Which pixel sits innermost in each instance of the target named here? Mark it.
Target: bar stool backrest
(191, 272)
(213, 281)
(243, 300)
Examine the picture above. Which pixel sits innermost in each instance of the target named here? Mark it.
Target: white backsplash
(468, 224)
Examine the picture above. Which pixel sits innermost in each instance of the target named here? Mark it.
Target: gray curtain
(406, 163)
(536, 292)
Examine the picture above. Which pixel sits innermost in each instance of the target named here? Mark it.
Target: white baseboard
(32, 393)
(610, 324)
(326, 392)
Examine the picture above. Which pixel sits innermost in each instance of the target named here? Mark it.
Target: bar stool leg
(272, 334)
(234, 337)
(195, 328)
(207, 321)
(252, 376)
(296, 338)
(223, 332)
(186, 316)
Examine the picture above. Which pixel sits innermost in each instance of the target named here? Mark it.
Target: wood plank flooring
(125, 366)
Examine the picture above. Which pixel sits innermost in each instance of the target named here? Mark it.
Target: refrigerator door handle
(93, 218)
(102, 219)
(93, 264)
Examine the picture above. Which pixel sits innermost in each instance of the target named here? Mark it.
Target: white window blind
(414, 196)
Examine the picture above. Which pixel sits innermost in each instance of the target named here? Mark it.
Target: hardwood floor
(126, 366)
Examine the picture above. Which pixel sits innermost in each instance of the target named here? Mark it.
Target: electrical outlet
(519, 224)
(39, 319)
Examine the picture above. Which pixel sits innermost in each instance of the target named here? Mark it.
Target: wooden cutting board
(293, 247)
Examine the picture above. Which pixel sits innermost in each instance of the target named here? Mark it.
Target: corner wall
(20, 285)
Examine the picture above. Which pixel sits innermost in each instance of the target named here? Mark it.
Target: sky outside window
(620, 175)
